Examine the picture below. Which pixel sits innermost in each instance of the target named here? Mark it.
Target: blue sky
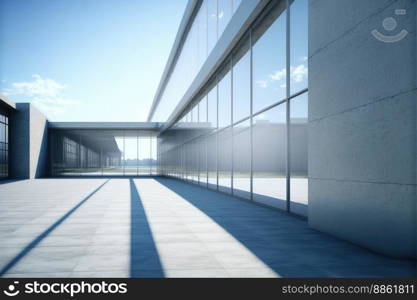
(86, 60)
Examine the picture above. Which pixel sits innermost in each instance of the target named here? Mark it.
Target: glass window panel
(131, 161)
(186, 158)
(241, 83)
(225, 160)
(202, 110)
(112, 155)
(191, 157)
(2, 132)
(241, 159)
(194, 125)
(190, 161)
(224, 14)
(154, 152)
(184, 72)
(203, 161)
(211, 24)
(299, 154)
(269, 157)
(212, 109)
(212, 160)
(202, 114)
(144, 157)
(225, 101)
(269, 61)
(299, 45)
(202, 33)
(236, 4)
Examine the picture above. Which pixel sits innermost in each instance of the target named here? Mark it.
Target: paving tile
(173, 230)
(38, 275)
(204, 273)
(100, 274)
(251, 273)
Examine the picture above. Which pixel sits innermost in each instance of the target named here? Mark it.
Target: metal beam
(175, 52)
(152, 126)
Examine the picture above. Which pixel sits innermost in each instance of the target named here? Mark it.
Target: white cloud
(278, 75)
(298, 73)
(262, 83)
(47, 94)
(221, 14)
(39, 86)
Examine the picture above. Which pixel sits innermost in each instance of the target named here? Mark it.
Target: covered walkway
(158, 227)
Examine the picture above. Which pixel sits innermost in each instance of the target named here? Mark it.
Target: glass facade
(211, 20)
(4, 146)
(250, 137)
(102, 153)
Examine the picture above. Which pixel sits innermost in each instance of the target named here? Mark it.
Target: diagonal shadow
(285, 243)
(44, 234)
(144, 257)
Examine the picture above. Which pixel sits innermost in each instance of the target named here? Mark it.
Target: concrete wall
(38, 143)
(28, 143)
(362, 132)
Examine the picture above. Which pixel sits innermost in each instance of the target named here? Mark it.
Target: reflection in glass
(224, 14)
(208, 25)
(212, 160)
(130, 154)
(241, 159)
(202, 34)
(111, 149)
(144, 158)
(194, 160)
(269, 63)
(211, 23)
(236, 4)
(299, 154)
(212, 109)
(203, 161)
(202, 117)
(299, 45)
(153, 156)
(225, 101)
(269, 157)
(216, 148)
(4, 147)
(102, 153)
(225, 159)
(241, 83)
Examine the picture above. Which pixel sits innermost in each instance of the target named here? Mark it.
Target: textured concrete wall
(28, 152)
(38, 143)
(362, 133)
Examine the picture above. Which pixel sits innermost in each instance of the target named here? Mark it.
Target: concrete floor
(164, 228)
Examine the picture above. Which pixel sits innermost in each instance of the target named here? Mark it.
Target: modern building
(308, 107)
